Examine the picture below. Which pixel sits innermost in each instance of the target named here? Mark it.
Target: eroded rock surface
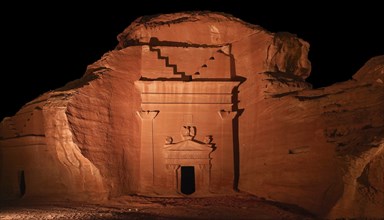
(240, 92)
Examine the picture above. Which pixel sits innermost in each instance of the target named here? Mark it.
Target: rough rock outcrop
(320, 149)
(315, 147)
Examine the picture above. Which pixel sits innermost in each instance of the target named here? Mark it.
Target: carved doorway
(188, 163)
(187, 180)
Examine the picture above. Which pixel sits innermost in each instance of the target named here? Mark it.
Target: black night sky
(46, 45)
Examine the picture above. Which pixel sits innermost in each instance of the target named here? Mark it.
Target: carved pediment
(188, 145)
(188, 148)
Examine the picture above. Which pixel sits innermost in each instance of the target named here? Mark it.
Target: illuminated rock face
(196, 96)
(198, 104)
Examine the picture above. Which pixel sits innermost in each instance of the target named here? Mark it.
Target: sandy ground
(239, 206)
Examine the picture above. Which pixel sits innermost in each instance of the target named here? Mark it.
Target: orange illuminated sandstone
(208, 96)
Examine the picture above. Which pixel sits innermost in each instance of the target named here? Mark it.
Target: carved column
(146, 151)
(227, 149)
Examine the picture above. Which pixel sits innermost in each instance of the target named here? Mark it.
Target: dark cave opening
(22, 183)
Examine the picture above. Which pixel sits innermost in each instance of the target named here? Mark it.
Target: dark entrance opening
(21, 183)
(187, 180)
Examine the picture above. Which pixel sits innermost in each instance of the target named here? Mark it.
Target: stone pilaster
(227, 149)
(203, 178)
(172, 178)
(147, 151)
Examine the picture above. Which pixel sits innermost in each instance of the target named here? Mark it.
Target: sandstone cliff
(320, 149)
